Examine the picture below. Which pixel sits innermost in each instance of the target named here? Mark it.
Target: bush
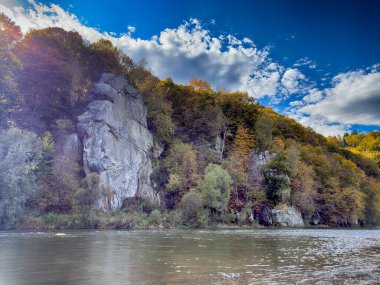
(191, 203)
(59, 220)
(229, 218)
(123, 220)
(137, 204)
(203, 218)
(174, 218)
(155, 217)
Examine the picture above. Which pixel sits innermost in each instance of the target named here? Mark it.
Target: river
(267, 256)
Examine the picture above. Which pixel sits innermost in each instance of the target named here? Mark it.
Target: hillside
(368, 145)
(91, 139)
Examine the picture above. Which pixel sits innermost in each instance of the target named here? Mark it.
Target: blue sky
(316, 61)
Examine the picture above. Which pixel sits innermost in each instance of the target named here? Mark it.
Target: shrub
(191, 203)
(215, 188)
(203, 218)
(155, 217)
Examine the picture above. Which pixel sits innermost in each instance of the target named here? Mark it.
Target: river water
(267, 256)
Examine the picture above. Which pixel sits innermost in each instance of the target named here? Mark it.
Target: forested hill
(217, 156)
(367, 145)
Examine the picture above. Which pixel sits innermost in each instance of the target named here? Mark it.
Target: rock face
(260, 158)
(116, 141)
(67, 160)
(287, 218)
(257, 161)
(265, 216)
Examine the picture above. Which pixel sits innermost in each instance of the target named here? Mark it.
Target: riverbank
(137, 221)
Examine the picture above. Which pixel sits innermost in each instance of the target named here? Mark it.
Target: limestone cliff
(116, 141)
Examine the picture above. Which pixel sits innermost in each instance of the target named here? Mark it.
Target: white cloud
(296, 103)
(305, 62)
(354, 98)
(131, 29)
(247, 41)
(264, 81)
(42, 16)
(314, 95)
(319, 123)
(292, 81)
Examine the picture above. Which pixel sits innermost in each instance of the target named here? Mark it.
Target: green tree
(264, 131)
(277, 179)
(215, 188)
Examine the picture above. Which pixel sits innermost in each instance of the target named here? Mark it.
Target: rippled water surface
(273, 256)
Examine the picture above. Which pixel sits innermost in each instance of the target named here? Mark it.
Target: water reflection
(191, 257)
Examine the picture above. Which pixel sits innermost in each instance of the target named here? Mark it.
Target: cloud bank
(354, 98)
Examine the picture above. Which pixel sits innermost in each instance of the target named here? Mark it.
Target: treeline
(211, 143)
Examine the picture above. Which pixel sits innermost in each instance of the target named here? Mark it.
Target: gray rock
(260, 158)
(116, 141)
(257, 162)
(290, 217)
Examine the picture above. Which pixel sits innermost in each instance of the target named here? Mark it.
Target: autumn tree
(238, 162)
(371, 189)
(159, 107)
(264, 132)
(304, 187)
(55, 78)
(239, 108)
(198, 116)
(10, 34)
(182, 170)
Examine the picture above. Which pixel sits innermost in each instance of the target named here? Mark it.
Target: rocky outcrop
(257, 162)
(260, 158)
(289, 217)
(116, 141)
